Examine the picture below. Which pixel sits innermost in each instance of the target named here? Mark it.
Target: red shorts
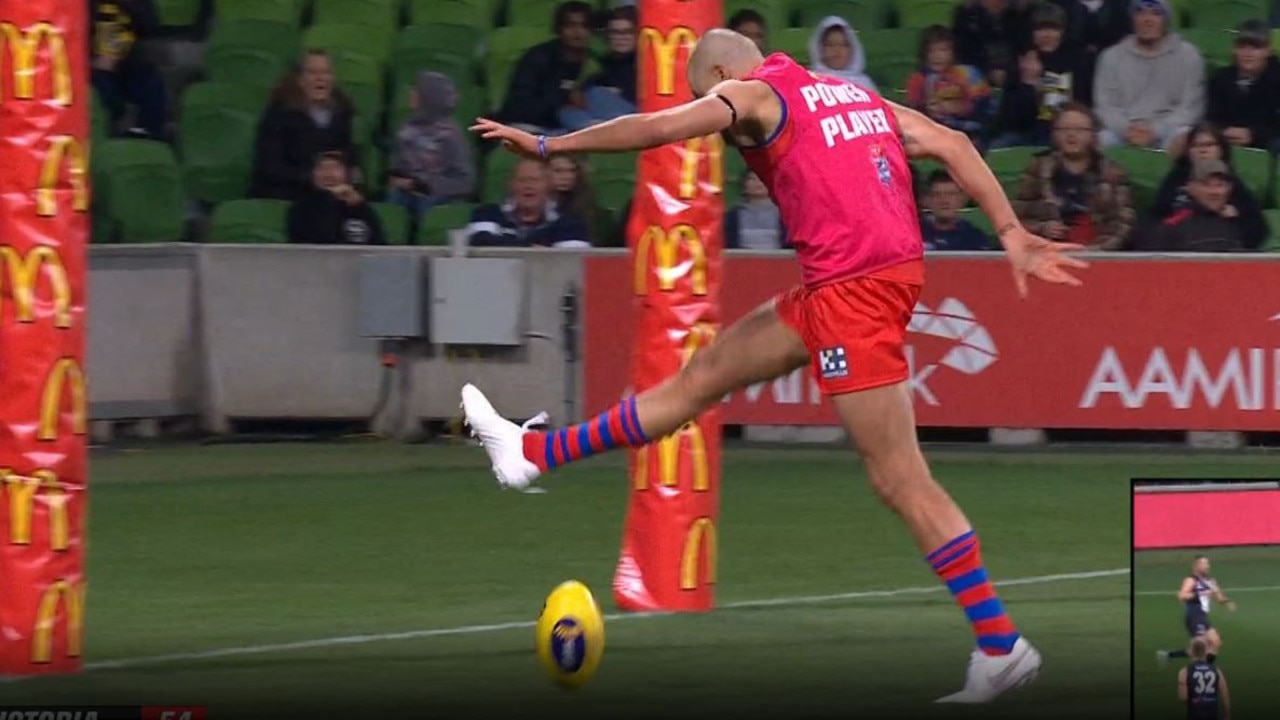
(855, 329)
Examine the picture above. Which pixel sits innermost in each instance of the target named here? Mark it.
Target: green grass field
(388, 573)
(1250, 636)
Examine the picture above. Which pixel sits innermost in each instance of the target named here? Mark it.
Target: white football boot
(991, 675)
(502, 439)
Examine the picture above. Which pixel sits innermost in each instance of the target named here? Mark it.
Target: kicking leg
(757, 348)
(881, 423)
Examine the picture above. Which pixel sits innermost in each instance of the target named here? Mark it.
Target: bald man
(835, 159)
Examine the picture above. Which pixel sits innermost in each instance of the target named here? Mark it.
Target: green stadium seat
(532, 13)
(792, 41)
(351, 38)
(1008, 164)
(1147, 169)
(1214, 44)
(506, 45)
(614, 192)
(923, 13)
(614, 165)
(475, 13)
(216, 128)
(254, 52)
(250, 222)
(863, 15)
(395, 222)
(178, 13)
(374, 166)
(1253, 167)
(435, 224)
(1226, 14)
(361, 77)
(282, 11)
(891, 76)
(498, 165)
(449, 49)
(1273, 221)
(890, 45)
(138, 188)
(383, 14)
(776, 13)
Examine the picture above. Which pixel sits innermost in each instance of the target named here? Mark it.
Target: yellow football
(570, 639)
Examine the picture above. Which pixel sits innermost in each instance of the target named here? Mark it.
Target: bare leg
(881, 423)
(758, 347)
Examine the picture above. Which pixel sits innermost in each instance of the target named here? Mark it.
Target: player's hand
(517, 141)
(1033, 256)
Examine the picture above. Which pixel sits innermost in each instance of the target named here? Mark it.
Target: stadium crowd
(1121, 124)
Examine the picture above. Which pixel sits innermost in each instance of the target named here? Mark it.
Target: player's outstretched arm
(637, 131)
(1030, 255)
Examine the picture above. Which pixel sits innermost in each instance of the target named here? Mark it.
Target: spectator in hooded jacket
(120, 72)
(307, 115)
(1209, 222)
(611, 92)
(332, 212)
(1205, 142)
(1046, 77)
(547, 73)
(1244, 99)
(834, 50)
(989, 34)
(432, 161)
(1149, 89)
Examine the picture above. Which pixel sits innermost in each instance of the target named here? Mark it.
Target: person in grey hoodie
(1149, 88)
(834, 50)
(432, 162)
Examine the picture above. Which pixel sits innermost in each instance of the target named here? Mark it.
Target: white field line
(151, 660)
(1232, 590)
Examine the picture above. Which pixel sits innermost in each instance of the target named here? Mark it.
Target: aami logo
(969, 347)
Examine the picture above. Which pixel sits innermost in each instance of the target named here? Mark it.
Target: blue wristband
(542, 145)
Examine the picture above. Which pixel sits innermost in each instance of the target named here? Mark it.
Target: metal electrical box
(478, 301)
(392, 296)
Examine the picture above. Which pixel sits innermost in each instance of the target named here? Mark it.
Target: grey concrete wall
(231, 332)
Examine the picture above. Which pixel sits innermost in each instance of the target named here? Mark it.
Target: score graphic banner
(44, 228)
(674, 234)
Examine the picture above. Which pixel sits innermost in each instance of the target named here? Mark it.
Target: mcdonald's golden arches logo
(71, 596)
(698, 337)
(65, 377)
(63, 150)
(23, 48)
(662, 248)
(22, 492)
(709, 148)
(668, 451)
(24, 271)
(665, 51)
(700, 539)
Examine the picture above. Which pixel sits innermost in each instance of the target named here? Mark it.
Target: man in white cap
(1149, 89)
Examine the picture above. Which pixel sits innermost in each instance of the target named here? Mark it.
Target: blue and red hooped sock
(615, 428)
(959, 564)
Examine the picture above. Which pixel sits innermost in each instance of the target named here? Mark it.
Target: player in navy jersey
(1203, 687)
(1195, 594)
